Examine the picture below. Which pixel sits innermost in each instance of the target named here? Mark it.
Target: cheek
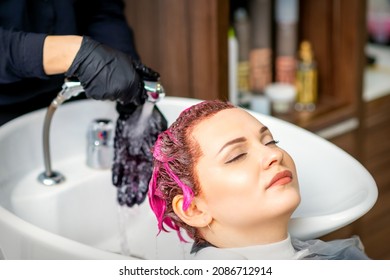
(290, 160)
(225, 186)
(289, 163)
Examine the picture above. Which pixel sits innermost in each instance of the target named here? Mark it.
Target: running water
(136, 125)
(123, 217)
(135, 134)
(126, 232)
(138, 237)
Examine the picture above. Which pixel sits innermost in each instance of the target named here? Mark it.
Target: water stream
(142, 122)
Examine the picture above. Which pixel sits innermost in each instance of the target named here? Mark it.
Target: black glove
(135, 134)
(136, 131)
(106, 73)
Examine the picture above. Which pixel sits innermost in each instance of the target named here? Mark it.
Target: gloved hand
(106, 73)
(135, 134)
(136, 131)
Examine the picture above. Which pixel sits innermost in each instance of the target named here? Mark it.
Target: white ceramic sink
(80, 219)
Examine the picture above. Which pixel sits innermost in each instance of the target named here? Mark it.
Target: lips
(281, 178)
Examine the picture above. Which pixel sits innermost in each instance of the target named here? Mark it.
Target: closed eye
(239, 157)
(272, 142)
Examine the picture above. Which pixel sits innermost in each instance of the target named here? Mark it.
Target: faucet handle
(71, 88)
(100, 140)
(154, 90)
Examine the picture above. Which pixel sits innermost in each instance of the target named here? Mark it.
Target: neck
(230, 237)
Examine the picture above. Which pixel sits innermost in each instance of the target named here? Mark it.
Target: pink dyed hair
(175, 154)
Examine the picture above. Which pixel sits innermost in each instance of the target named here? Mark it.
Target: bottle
(260, 56)
(242, 28)
(306, 82)
(233, 71)
(286, 17)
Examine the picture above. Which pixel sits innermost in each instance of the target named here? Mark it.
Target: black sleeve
(21, 56)
(105, 22)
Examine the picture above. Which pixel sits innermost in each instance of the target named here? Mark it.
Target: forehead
(224, 126)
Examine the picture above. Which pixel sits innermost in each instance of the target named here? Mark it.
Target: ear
(196, 215)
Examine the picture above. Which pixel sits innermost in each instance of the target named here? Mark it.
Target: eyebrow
(263, 129)
(241, 139)
(231, 142)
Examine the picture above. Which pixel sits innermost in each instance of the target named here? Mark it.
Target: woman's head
(175, 155)
(218, 171)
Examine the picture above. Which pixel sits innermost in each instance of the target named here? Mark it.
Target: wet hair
(175, 154)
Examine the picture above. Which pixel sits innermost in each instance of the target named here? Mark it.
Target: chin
(296, 203)
(292, 202)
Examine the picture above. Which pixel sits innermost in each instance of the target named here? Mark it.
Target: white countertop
(377, 78)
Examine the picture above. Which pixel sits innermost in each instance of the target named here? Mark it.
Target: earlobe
(194, 215)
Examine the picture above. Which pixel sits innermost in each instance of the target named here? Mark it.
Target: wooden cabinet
(374, 227)
(186, 41)
(337, 30)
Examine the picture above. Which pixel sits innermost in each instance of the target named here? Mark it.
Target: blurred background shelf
(186, 41)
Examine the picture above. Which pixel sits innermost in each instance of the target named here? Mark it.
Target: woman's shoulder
(339, 249)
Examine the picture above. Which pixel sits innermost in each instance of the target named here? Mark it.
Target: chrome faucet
(69, 89)
(100, 144)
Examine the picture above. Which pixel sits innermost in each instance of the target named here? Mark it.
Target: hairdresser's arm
(59, 53)
(20, 56)
(104, 73)
(31, 55)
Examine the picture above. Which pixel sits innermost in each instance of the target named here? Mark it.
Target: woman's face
(245, 179)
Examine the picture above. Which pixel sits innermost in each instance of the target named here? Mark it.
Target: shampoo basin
(80, 218)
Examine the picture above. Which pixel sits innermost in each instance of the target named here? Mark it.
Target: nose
(271, 155)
